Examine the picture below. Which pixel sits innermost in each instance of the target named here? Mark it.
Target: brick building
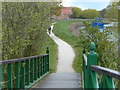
(66, 13)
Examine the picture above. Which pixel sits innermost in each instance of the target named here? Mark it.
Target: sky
(85, 4)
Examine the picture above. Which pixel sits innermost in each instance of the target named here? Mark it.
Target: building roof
(66, 10)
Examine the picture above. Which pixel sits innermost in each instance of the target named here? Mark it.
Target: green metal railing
(23, 72)
(90, 71)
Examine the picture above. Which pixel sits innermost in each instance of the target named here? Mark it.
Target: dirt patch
(74, 28)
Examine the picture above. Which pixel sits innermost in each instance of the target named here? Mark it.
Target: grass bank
(62, 31)
(53, 53)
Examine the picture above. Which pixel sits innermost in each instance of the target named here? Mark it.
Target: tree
(102, 13)
(89, 13)
(112, 11)
(24, 26)
(76, 12)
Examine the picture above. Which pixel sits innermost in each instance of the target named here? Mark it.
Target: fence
(90, 70)
(23, 72)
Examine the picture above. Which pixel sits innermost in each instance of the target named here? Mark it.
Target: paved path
(65, 55)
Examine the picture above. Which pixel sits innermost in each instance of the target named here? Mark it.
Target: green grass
(53, 53)
(61, 30)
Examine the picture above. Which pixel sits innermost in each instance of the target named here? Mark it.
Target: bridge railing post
(91, 76)
(84, 69)
(1, 76)
(17, 72)
(9, 76)
(47, 52)
(107, 83)
(23, 74)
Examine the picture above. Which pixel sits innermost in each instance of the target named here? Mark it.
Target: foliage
(102, 13)
(56, 10)
(76, 12)
(89, 14)
(112, 11)
(85, 14)
(53, 53)
(24, 26)
(105, 47)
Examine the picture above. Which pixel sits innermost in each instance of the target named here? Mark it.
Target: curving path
(65, 54)
(65, 76)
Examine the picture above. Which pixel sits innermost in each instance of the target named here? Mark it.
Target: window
(69, 11)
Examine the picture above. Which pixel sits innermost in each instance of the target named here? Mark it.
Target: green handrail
(90, 71)
(23, 72)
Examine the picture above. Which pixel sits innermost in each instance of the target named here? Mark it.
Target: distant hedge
(85, 14)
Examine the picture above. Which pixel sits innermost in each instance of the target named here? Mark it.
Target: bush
(24, 26)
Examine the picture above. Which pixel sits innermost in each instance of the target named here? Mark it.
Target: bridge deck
(61, 80)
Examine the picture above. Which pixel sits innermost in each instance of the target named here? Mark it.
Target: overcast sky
(85, 4)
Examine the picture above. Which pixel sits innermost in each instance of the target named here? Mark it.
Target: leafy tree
(102, 13)
(112, 11)
(85, 14)
(56, 10)
(76, 12)
(24, 26)
(89, 13)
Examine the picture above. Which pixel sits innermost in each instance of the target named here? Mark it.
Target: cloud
(92, 4)
(67, 3)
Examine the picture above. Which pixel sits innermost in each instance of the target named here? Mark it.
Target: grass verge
(53, 53)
